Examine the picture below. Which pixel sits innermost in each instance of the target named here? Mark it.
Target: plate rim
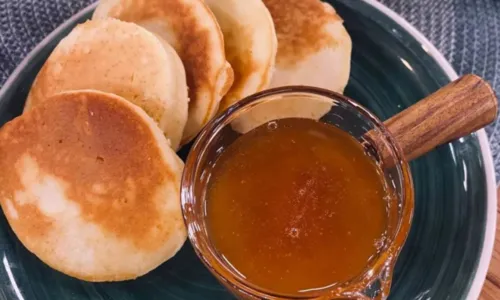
(491, 214)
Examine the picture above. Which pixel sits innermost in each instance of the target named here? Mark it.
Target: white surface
(491, 217)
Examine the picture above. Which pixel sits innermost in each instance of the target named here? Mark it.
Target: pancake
(313, 46)
(314, 49)
(90, 186)
(191, 28)
(124, 59)
(250, 45)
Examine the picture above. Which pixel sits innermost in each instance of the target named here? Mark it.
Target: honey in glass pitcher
(296, 205)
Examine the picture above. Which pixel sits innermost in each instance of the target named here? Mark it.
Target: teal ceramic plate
(451, 240)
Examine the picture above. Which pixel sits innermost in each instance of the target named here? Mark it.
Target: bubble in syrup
(272, 125)
(293, 232)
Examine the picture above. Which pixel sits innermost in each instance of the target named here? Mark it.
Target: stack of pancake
(90, 180)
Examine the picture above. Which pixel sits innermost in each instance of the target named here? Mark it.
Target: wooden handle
(457, 109)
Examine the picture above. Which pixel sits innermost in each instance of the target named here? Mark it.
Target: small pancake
(191, 28)
(314, 49)
(250, 45)
(91, 187)
(313, 46)
(124, 59)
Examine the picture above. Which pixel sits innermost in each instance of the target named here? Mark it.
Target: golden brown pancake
(124, 59)
(90, 186)
(314, 49)
(250, 45)
(191, 28)
(313, 46)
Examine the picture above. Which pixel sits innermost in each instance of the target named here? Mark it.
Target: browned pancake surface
(193, 43)
(300, 28)
(107, 156)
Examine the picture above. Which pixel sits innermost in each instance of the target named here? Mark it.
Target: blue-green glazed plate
(393, 66)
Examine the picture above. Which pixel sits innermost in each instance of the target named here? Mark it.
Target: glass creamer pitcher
(455, 110)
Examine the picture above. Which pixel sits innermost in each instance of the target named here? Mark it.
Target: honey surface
(296, 205)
